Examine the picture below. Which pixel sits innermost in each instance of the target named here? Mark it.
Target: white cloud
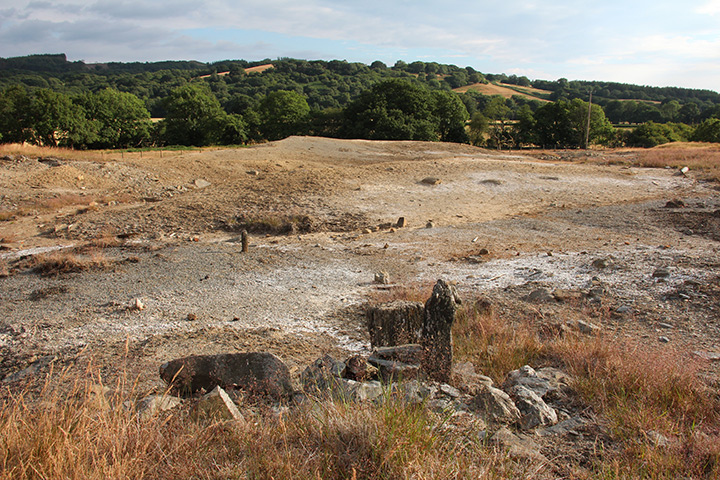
(710, 7)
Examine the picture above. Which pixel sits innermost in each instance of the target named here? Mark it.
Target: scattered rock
(391, 370)
(191, 317)
(356, 368)
(400, 223)
(601, 263)
(535, 412)
(562, 428)
(200, 183)
(149, 406)
(429, 224)
(657, 439)
(323, 375)
(382, 278)
(364, 391)
(431, 181)
(467, 380)
(136, 305)
(518, 448)
(663, 340)
(483, 251)
(527, 377)
(257, 372)
(217, 405)
(253, 173)
(587, 328)
(711, 356)
(495, 406)
(540, 295)
(32, 369)
(661, 272)
(409, 353)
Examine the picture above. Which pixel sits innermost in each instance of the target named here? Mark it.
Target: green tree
(392, 110)
(14, 115)
(283, 113)
(57, 121)
(451, 116)
(194, 116)
(478, 127)
(121, 118)
(707, 131)
(401, 110)
(651, 134)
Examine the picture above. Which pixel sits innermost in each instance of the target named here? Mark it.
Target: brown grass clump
(63, 262)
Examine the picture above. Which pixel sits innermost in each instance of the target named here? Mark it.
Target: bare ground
(167, 228)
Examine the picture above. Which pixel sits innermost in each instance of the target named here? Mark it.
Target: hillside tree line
(47, 100)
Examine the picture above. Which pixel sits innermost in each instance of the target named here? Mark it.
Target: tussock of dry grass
(63, 262)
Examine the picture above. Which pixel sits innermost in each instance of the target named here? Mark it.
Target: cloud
(510, 36)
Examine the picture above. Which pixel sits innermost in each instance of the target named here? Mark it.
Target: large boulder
(395, 323)
(258, 373)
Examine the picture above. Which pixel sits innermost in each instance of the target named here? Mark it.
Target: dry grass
(64, 262)
(80, 433)
(637, 389)
(702, 157)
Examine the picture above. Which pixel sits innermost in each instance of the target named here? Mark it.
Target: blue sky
(660, 43)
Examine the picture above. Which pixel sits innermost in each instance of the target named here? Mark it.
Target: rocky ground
(531, 233)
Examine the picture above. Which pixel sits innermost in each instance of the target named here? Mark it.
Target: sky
(645, 42)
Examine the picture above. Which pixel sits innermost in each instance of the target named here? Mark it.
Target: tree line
(71, 104)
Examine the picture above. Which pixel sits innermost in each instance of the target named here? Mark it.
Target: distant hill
(507, 91)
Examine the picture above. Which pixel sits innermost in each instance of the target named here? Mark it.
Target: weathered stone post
(395, 323)
(244, 240)
(437, 331)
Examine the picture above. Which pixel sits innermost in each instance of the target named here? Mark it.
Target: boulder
(324, 374)
(535, 412)
(495, 406)
(356, 368)
(258, 373)
(395, 323)
(439, 317)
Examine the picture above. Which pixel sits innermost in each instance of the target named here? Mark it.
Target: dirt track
(542, 223)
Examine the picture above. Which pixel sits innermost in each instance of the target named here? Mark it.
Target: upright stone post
(244, 241)
(437, 331)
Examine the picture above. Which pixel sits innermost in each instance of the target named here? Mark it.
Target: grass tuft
(63, 262)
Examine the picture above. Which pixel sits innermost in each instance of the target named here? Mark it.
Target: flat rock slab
(258, 373)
